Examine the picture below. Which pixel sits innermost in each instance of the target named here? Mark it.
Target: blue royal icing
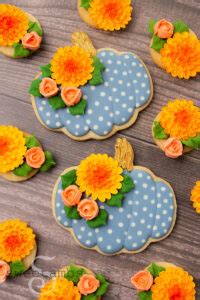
(148, 212)
(127, 86)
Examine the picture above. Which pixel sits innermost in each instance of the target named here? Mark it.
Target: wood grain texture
(31, 200)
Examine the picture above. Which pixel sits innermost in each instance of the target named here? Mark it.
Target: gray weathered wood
(31, 200)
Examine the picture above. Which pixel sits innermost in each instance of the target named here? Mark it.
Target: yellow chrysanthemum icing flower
(99, 176)
(16, 240)
(59, 288)
(180, 55)
(13, 24)
(12, 148)
(173, 283)
(195, 197)
(181, 119)
(110, 14)
(72, 66)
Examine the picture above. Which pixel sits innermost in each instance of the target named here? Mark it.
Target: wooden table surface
(31, 200)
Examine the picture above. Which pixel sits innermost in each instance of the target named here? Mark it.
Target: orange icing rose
(48, 87)
(71, 95)
(88, 209)
(142, 280)
(71, 195)
(31, 41)
(35, 157)
(88, 284)
(164, 29)
(173, 148)
(4, 271)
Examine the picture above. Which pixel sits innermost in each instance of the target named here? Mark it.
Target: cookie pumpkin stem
(124, 154)
(81, 39)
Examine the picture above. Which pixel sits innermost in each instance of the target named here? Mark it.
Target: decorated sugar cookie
(164, 281)
(18, 248)
(89, 94)
(21, 155)
(107, 15)
(75, 282)
(20, 32)
(176, 129)
(175, 48)
(195, 196)
(112, 206)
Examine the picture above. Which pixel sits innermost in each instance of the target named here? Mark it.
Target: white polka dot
(59, 191)
(44, 102)
(117, 112)
(105, 132)
(130, 202)
(158, 195)
(96, 103)
(109, 247)
(136, 192)
(139, 232)
(157, 234)
(149, 226)
(116, 100)
(130, 109)
(121, 209)
(57, 204)
(118, 241)
(85, 97)
(110, 231)
(129, 216)
(153, 188)
(47, 122)
(111, 217)
(159, 205)
(109, 123)
(120, 82)
(163, 189)
(97, 230)
(115, 71)
(155, 228)
(128, 84)
(143, 84)
(144, 208)
(90, 111)
(123, 119)
(145, 197)
(79, 237)
(88, 242)
(82, 228)
(163, 224)
(145, 185)
(140, 175)
(142, 221)
(88, 121)
(86, 128)
(124, 73)
(134, 245)
(165, 200)
(100, 239)
(129, 237)
(145, 76)
(135, 81)
(171, 207)
(125, 232)
(77, 126)
(48, 114)
(100, 118)
(157, 217)
(103, 54)
(119, 62)
(75, 221)
(111, 114)
(114, 90)
(142, 98)
(111, 79)
(138, 74)
(59, 218)
(133, 64)
(93, 88)
(107, 70)
(123, 94)
(130, 98)
(41, 108)
(90, 234)
(95, 127)
(127, 56)
(106, 108)
(153, 201)
(68, 122)
(164, 212)
(137, 91)
(106, 83)
(66, 223)
(137, 202)
(133, 224)
(121, 224)
(171, 195)
(150, 215)
(135, 213)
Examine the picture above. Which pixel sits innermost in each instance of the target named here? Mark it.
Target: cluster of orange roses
(87, 208)
(35, 157)
(70, 95)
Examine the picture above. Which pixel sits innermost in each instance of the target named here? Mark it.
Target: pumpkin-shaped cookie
(135, 207)
(118, 89)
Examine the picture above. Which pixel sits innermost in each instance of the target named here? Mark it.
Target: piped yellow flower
(110, 14)
(72, 66)
(13, 24)
(180, 55)
(12, 148)
(173, 283)
(99, 176)
(16, 240)
(195, 197)
(59, 288)
(181, 119)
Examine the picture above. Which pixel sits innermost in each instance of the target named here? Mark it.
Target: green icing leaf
(16, 268)
(46, 70)
(101, 278)
(193, 143)
(97, 77)
(34, 26)
(85, 4)
(23, 170)
(116, 200)
(49, 162)
(56, 102)
(180, 26)
(68, 179)
(20, 51)
(31, 142)
(155, 269)
(89, 297)
(100, 220)
(74, 273)
(72, 212)
(151, 26)
(79, 108)
(158, 131)
(145, 295)
(127, 184)
(157, 43)
(34, 88)
(103, 287)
